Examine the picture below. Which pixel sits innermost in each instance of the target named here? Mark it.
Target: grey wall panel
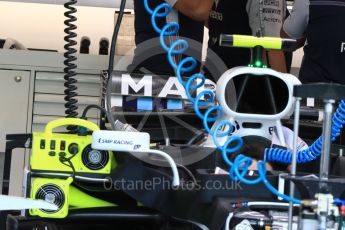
(40, 121)
(53, 104)
(53, 83)
(14, 88)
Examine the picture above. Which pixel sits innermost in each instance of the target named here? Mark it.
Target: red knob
(342, 210)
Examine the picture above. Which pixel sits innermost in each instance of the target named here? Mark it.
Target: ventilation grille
(52, 194)
(94, 159)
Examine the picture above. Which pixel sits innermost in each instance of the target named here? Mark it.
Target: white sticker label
(120, 141)
(310, 102)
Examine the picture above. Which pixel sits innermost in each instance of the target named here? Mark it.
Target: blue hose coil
(314, 151)
(240, 166)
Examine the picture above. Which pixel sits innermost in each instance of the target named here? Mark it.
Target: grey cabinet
(48, 101)
(32, 94)
(14, 101)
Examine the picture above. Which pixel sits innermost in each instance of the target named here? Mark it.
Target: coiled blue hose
(240, 166)
(314, 151)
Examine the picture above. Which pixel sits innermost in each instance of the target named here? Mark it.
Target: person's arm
(276, 59)
(300, 41)
(296, 24)
(195, 9)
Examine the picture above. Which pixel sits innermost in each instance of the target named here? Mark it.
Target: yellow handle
(250, 42)
(70, 121)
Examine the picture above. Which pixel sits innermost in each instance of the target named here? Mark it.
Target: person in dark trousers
(149, 56)
(321, 23)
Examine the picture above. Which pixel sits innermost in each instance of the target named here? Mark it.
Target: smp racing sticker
(120, 141)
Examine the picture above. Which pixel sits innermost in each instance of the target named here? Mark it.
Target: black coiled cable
(70, 58)
(111, 63)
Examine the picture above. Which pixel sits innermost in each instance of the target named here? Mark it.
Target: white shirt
(266, 17)
(171, 2)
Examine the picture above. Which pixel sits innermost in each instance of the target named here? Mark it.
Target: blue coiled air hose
(238, 168)
(314, 151)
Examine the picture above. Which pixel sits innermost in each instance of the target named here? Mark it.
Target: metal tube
(325, 156)
(2, 163)
(99, 3)
(326, 143)
(294, 158)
